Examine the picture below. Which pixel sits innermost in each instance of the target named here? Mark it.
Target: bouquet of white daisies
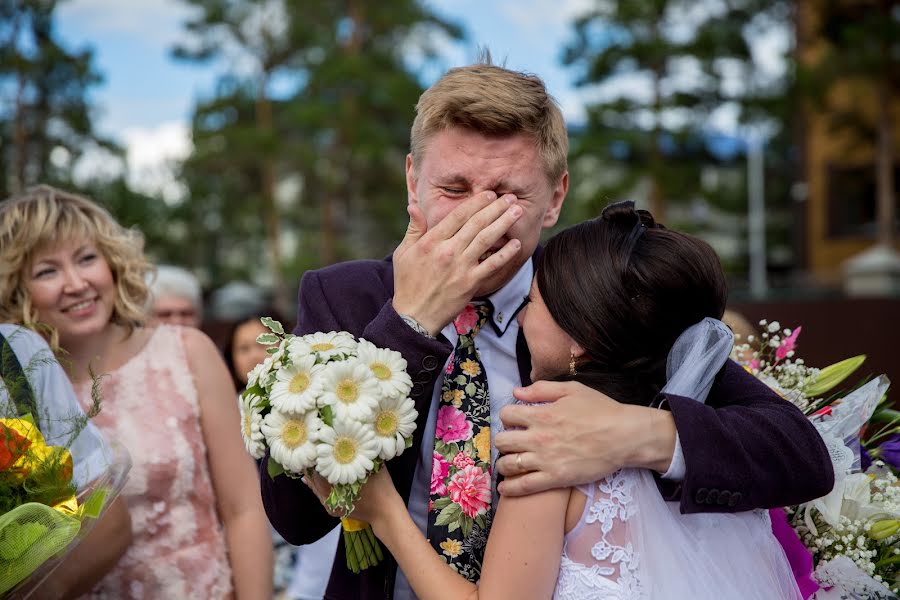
(328, 403)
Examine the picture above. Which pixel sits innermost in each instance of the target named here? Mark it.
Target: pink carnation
(462, 460)
(452, 425)
(439, 469)
(466, 320)
(471, 489)
(787, 345)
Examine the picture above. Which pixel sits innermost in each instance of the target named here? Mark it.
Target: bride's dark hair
(624, 288)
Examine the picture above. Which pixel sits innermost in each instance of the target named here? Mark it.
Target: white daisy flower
(350, 389)
(395, 420)
(388, 367)
(292, 439)
(265, 369)
(253, 375)
(346, 452)
(251, 422)
(331, 344)
(297, 386)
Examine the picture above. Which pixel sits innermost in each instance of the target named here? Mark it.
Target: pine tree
(46, 120)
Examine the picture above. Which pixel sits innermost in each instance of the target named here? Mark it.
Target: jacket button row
(719, 497)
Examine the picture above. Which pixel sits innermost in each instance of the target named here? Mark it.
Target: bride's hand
(377, 497)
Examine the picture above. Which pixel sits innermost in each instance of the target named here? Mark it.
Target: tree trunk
(269, 207)
(21, 138)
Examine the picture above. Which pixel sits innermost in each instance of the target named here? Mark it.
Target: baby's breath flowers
(330, 404)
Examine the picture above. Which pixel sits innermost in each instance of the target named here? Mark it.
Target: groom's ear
(411, 196)
(560, 189)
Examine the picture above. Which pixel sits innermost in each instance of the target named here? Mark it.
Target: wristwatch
(417, 327)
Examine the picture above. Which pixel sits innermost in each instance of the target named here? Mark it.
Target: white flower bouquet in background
(327, 403)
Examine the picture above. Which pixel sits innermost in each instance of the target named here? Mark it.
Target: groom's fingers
(529, 483)
(544, 391)
(512, 442)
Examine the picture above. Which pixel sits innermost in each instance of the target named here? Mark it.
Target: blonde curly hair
(44, 217)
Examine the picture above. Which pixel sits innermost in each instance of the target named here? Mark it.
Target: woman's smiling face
(72, 289)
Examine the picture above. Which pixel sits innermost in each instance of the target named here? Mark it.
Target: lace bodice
(599, 560)
(630, 544)
(150, 405)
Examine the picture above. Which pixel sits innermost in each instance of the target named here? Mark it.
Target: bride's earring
(572, 370)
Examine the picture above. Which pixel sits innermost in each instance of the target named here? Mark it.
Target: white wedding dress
(630, 544)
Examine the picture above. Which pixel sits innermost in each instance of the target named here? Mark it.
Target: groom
(485, 175)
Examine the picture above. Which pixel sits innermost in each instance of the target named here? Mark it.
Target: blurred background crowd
(251, 140)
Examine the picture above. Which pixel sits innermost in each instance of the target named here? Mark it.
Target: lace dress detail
(150, 405)
(630, 544)
(611, 569)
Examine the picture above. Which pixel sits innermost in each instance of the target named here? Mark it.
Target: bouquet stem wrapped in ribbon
(327, 403)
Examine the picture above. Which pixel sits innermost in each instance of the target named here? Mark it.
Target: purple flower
(889, 451)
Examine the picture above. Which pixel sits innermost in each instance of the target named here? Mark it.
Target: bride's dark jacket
(744, 448)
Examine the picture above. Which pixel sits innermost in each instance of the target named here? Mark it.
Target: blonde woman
(199, 526)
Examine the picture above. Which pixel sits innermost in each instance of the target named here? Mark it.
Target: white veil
(673, 556)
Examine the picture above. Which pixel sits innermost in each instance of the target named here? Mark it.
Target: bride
(630, 308)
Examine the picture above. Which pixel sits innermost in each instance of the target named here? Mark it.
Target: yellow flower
(454, 397)
(470, 367)
(482, 443)
(451, 548)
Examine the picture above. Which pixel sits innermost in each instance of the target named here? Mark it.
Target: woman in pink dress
(199, 526)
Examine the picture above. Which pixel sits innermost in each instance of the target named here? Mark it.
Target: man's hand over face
(437, 271)
(580, 436)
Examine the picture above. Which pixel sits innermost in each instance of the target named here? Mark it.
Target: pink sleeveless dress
(150, 406)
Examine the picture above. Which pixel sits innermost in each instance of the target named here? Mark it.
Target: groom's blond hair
(493, 101)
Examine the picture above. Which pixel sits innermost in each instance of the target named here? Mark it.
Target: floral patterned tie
(459, 513)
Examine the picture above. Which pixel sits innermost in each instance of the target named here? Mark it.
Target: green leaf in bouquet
(267, 338)
(271, 350)
(327, 415)
(273, 468)
(273, 325)
(832, 375)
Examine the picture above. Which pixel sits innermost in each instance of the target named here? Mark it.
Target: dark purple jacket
(744, 448)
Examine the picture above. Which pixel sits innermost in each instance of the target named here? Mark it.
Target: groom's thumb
(416, 228)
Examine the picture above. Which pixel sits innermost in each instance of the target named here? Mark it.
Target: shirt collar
(508, 300)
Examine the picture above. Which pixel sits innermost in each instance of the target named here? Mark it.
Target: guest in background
(241, 350)
(198, 521)
(175, 297)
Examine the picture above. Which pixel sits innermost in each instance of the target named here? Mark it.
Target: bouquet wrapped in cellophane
(57, 475)
(331, 404)
(852, 534)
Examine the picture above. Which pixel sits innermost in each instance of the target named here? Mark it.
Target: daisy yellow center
(380, 370)
(293, 434)
(344, 450)
(248, 425)
(322, 347)
(347, 391)
(299, 383)
(386, 423)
